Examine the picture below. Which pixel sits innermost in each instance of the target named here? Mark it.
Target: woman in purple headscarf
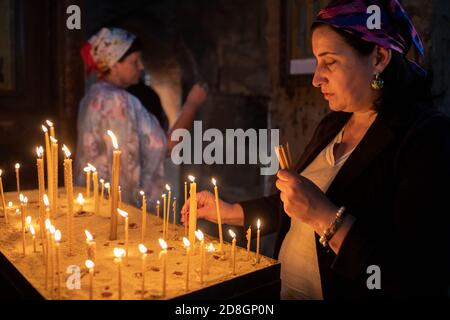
(364, 212)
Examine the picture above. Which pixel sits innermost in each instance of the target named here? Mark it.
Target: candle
(48, 250)
(119, 201)
(143, 251)
(248, 236)
(48, 152)
(185, 192)
(219, 218)
(54, 196)
(33, 235)
(27, 222)
(57, 240)
(168, 210)
(52, 128)
(233, 250)
(68, 184)
(125, 215)
(80, 200)
(257, 241)
(91, 246)
(200, 238)
(52, 259)
(95, 189)
(108, 191)
(102, 192)
(45, 229)
(119, 253)
(163, 258)
(22, 215)
(211, 251)
(5, 215)
(17, 168)
(41, 183)
(88, 181)
(144, 215)
(187, 245)
(114, 186)
(192, 210)
(164, 216)
(174, 210)
(90, 265)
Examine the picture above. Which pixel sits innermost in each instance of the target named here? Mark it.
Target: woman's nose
(318, 78)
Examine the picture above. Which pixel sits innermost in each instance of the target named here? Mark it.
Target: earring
(377, 83)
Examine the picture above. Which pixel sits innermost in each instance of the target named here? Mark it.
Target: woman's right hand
(232, 214)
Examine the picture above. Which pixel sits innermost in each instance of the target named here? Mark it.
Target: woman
(115, 55)
(364, 214)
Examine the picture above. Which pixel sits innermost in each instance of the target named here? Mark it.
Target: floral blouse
(141, 140)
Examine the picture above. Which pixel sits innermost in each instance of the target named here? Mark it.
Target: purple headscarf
(396, 32)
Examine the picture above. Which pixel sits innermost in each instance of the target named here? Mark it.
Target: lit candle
(95, 190)
(192, 210)
(91, 245)
(17, 168)
(119, 253)
(114, 185)
(90, 265)
(233, 250)
(187, 245)
(144, 215)
(211, 251)
(248, 236)
(41, 183)
(157, 208)
(174, 210)
(164, 216)
(22, 215)
(185, 192)
(28, 222)
(48, 152)
(163, 257)
(143, 251)
(120, 197)
(33, 235)
(219, 218)
(52, 128)
(125, 215)
(48, 251)
(3, 198)
(52, 259)
(44, 231)
(80, 200)
(108, 192)
(58, 271)
(102, 192)
(168, 210)
(68, 183)
(54, 196)
(257, 241)
(88, 181)
(200, 238)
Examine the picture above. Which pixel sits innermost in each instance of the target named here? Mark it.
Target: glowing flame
(49, 123)
(163, 244)
(186, 242)
(66, 151)
(25, 200)
(211, 248)
(44, 128)
(52, 230)
(167, 187)
(89, 264)
(17, 166)
(164, 195)
(48, 224)
(10, 204)
(57, 235)
(113, 139)
(17, 211)
(53, 140)
(199, 235)
(142, 248)
(1, 171)
(80, 199)
(119, 252)
(87, 169)
(232, 234)
(192, 178)
(142, 193)
(122, 213)
(258, 224)
(107, 185)
(102, 181)
(39, 151)
(33, 232)
(89, 236)
(157, 202)
(93, 169)
(46, 202)
(28, 219)
(21, 197)
(214, 182)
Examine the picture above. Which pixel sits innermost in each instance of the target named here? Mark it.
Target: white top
(300, 275)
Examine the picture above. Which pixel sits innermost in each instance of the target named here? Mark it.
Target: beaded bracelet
(331, 231)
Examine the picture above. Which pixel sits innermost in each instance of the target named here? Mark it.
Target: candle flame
(93, 169)
(113, 139)
(44, 128)
(21, 198)
(211, 248)
(142, 248)
(192, 178)
(25, 200)
(57, 235)
(122, 213)
(46, 202)
(107, 185)
(10, 204)
(102, 181)
(142, 193)
(66, 151)
(17, 165)
(164, 195)
(49, 123)
(17, 211)
(232, 234)
(214, 182)
(33, 232)
(39, 151)
(53, 140)
(162, 243)
(167, 187)
(28, 219)
(87, 169)
(258, 224)
(80, 199)
(1, 171)
(199, 235)
(157, 202)
(47, 224)
(52, 230)
(89, 236)
(186, 242)
(89, 264)
(119, 252)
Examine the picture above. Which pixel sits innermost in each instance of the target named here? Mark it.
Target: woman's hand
(206, 209)
(197, 95)
(303, 200)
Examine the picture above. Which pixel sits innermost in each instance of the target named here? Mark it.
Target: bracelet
(331, 231)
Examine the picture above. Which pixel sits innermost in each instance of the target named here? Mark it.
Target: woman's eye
(330, 63)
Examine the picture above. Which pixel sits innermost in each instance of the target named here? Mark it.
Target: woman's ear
(382, 58)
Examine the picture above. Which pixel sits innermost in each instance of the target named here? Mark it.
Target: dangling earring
(377, 83)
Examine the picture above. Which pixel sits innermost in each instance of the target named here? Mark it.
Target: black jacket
(397, 185)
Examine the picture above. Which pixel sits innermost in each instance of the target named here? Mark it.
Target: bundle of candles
(284, 156)
(56, 252)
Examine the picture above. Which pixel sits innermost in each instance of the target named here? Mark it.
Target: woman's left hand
(303, 200)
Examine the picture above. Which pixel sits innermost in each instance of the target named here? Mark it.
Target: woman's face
(129, 70)
(343, 75)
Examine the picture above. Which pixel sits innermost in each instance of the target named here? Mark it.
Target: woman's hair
(403, 83)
